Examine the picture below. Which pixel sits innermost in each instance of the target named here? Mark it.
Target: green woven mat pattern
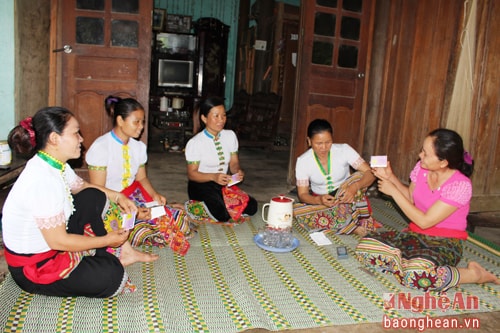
(226, 283)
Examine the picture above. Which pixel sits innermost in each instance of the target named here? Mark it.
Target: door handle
(361, 75)
(66, 49)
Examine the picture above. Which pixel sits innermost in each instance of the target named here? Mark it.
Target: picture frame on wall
(159, 19)
(178, 23)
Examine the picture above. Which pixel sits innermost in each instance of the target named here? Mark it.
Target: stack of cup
(278, 238)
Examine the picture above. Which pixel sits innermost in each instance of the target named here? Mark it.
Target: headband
(26, 124)
(467, 157)
(112, 100)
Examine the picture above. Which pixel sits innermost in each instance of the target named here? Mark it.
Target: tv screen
(175, 73)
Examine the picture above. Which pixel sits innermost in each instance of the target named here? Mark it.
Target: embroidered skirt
(342, 218)
(172, 229)
(417, 261)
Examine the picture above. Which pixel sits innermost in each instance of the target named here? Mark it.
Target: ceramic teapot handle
(263, 209)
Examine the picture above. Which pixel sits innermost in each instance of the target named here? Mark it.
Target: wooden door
(285, 68)
(110, 44)
(335, 45)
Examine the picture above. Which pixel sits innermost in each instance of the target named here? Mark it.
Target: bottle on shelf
(164, 103)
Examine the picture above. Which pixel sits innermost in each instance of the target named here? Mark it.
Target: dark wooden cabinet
(174, 65)
(212, 50)
(186, 67)
(174, 76)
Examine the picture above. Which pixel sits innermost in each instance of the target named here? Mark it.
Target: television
(175, 73)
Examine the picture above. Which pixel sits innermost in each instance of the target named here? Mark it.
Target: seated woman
(437, 201)
(117, 160)
(55, 241)
(331, 197)
(210, 154)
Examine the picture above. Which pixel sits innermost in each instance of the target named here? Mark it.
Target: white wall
(7, 69)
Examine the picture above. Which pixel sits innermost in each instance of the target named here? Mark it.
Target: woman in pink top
(425, 255)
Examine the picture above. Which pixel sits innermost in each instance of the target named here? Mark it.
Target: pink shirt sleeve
(457, 193)
(414, 172)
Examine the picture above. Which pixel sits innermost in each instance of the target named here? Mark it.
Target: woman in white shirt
(118, 159)
(334, 198)
(55, 241)
(212, 161)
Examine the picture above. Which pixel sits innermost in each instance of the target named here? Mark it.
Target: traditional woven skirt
(417, 261)
(172, 229)
(342, 218)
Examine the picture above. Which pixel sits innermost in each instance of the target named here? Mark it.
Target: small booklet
(157, 211)
(379, 161)
(320, 238)
(234, 180)
(128, 220)
(151, 204)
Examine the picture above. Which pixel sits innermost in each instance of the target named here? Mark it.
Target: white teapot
(280, 214)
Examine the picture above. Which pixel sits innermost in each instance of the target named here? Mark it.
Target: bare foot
(129, 255)
(481, 274)
(360, 231)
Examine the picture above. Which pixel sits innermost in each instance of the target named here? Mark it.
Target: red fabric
(134, 186)
(51, 271)
(236, 200)
(370, 210)
(439, 232)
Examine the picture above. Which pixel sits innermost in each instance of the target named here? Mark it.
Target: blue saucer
(259, 241)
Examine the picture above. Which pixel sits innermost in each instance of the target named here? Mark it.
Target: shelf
(175, 127)
(206, 50)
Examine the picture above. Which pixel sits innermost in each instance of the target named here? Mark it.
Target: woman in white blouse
(212, 161)
(324, 181)
(118, 160)
(55, 241)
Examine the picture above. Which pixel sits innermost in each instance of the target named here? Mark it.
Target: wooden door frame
(55, 57)
(55, 65)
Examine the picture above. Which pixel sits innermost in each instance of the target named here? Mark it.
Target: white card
(234, 180)
(320, 238)
(128, 220)
(157, 211)
(151, 204)
(379, 161)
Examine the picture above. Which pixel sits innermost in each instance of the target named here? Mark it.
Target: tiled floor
(266, 177)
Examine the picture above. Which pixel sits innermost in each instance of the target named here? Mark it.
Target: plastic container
(5, 154)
